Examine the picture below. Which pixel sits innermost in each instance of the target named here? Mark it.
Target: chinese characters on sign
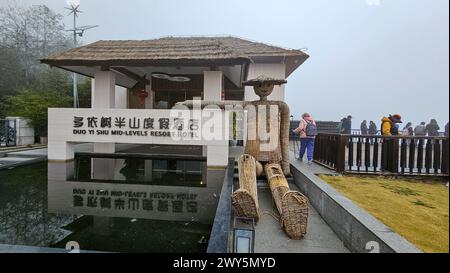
(135, 126)
(135, 201)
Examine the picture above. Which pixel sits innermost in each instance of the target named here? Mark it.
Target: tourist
(373, 130)
(363, 127)
(339, 126)
(388, 125)
(421, 129)
(396, 130)
(347, 125)
(308, 130)
(433, 128)
(408, 130)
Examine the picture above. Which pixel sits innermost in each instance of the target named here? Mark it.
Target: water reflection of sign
(141, 201)
(128, 200)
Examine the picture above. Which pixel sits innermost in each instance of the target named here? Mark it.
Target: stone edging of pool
(33, 249)
(220, 233)
(359, 230)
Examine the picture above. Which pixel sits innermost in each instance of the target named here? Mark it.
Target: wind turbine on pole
(77, 31)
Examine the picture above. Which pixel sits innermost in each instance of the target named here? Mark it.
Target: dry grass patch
(417, 209)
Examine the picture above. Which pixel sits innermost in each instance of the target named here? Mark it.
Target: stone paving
(270, 237)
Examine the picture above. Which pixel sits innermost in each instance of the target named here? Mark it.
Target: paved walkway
(270, 237)
(15, 159)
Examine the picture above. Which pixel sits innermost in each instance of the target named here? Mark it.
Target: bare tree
(32, 32)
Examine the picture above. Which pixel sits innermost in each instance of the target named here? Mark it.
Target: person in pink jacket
(308, 131)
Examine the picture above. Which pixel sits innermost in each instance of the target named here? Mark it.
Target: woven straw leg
(294, 214)
(245, 199)
(244, 205)
(292, 205)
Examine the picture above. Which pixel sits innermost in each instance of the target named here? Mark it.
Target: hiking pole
(294, 140)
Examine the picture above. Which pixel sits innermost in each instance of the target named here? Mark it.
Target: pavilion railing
(371, 154)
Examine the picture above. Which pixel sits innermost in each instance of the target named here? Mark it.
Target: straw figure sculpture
(267, 154)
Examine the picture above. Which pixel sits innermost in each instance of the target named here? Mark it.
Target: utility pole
(73, 7)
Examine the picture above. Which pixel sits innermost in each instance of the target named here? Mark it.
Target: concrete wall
(24, 131)
(271, 70)
(220, 232)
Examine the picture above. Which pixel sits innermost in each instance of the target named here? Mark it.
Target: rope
(274, 216)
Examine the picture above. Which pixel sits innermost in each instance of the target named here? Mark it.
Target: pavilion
(156, 74)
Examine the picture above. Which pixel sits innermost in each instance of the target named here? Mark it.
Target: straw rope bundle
(292, 205)
(245, 199)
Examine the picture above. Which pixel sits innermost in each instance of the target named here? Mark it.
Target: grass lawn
(417, 209)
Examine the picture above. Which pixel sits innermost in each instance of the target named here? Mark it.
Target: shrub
(34, 104)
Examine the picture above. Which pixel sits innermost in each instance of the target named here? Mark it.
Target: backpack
(395, 130)
(311, 129)
(420, 130)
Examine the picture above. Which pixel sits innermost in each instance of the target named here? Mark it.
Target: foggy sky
(366, 60)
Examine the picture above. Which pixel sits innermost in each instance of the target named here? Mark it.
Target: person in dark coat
(433, 128)
(373, 130)
(347, 125)
(446, 130)
(364, 128)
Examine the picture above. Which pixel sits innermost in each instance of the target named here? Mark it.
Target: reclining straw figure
(267, 155)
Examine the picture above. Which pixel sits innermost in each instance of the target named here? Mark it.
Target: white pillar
(149, 104)
(104, 90)
(271, 70)
(150, 100)
(59, 150)
(212, 85)
(217, 155)
(103, 96)
(212, 91)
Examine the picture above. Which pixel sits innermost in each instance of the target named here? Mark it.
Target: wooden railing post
(444, 165)
(340, 153)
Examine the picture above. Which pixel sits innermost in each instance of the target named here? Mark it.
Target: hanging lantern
(142, 95)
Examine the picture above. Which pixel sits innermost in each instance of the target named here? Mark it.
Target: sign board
(179, 127)
(208, 127)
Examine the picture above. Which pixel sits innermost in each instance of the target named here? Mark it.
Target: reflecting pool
(128, 204)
